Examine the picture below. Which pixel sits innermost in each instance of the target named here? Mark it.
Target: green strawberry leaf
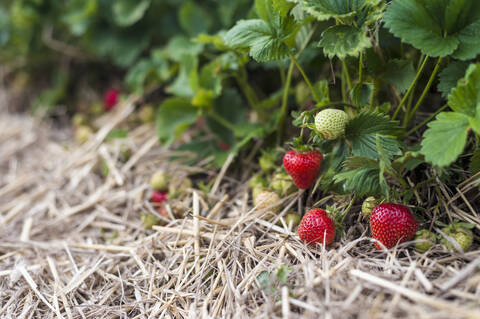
(193, 18)
(361, 94)
(127, 12)
(362, 131)
(343, 40)
(216, 40)
(263, 41)
(448, 78)
(445, 138)
(267, 39)
(399, 73)
(475, 162)
(79, 15)
(361, 175)
(326, 9)
(283, 7)
(174, 116)
(437, 28)
(181, 45)
(186, 82)
(230, 107)
(465, 97)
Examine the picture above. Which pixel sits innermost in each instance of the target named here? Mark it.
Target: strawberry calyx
(298, 145)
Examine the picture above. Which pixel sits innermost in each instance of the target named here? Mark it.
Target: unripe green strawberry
(257, 180)
(330, 123)
(368, 205)
(178, 188)
(424, 240)
(79, 119)
(267, 161)
(104, 170)
(463, 236)
(255, 191)
(159, 181)
(267, 200)
(83, 134)
(96, 108)
(148, 220)
(303, 94)
(293, 218)
(125, 154)
(147, 114)
(282, 184)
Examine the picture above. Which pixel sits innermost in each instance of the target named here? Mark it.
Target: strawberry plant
(377, 97)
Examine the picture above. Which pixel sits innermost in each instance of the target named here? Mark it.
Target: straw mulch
(72, 244)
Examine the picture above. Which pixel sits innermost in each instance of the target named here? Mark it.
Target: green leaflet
(343, 41)
(364, 129)
(174, 116)
(267, 39)
(263, 42)
(465, 98)
(127, 12)
(193, 18)
(450, 75)
(437, 28)
(445, 138)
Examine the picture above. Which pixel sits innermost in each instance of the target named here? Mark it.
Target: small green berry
(424, 240)
(463, 236)
(147, 114)
(79, 119)
(125, 154)
(267, 200)
(303, 94)
(267, 162)
(104, 170)
(257, 181)
(159, 181)
(83, 134)
(368, 205)
(178, 188)
(149, 220)
(330, 123)
(256, 191)
(282, 183)
(293, 218)
(96, 108)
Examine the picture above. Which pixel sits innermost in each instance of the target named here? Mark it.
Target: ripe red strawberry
(110, 99)
(159, 197)
(316, 226)
(391, 224)
(303, 167)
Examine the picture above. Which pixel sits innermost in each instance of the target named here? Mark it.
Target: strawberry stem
(305, 77)
(346, 211)
(283, 110)
(408, 116)
(412, 85)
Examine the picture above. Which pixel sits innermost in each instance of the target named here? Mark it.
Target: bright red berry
(316, 227)
(110, 99)
(303, 167)
(159, 197)
(391, 224)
